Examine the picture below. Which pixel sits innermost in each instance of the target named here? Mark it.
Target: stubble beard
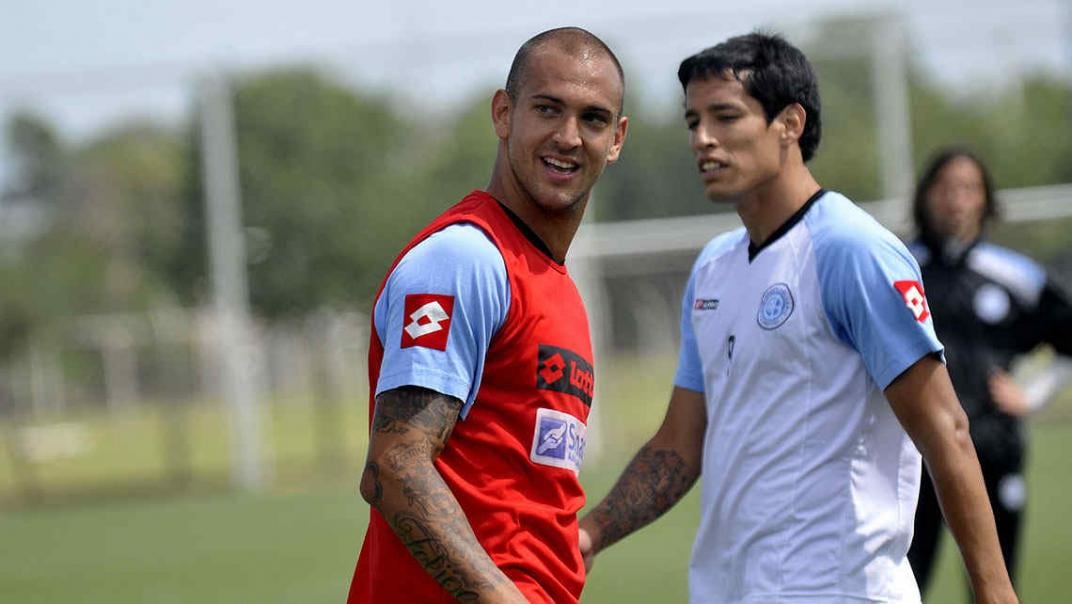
(534, 198)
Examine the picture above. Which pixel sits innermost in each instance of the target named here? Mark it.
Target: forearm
(927, 407)
(422, 511)
(958, 482)
(656, 479)
(409, 430)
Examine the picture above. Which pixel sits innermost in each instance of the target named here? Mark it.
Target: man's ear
(619, 139)
(792, 120)
(501, 104)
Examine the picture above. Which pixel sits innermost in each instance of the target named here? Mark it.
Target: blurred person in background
(809, 372)
(480, 357)
(990, 306)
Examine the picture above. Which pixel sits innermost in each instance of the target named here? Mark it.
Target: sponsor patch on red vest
(558, 440)
(563, 370)
(915, 300)
(427, 321)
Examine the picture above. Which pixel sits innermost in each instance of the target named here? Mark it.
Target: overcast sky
(86, 63)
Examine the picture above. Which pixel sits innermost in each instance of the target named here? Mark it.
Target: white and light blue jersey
(809, 481)
(459, 263)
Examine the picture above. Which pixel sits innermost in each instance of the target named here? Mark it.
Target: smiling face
(562, 129)
(736, 150)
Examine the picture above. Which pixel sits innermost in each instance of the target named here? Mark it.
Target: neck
(951, 248)
(768, 206)
(555, 228)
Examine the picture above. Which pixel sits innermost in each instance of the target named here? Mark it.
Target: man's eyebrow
(598, 109)
(713, 108)
(548, 97)
(557, 101)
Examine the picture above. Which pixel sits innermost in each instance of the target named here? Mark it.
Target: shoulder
(1016, 272)
(458, 242)
(720, 246)
(920, 252)
(839, 228)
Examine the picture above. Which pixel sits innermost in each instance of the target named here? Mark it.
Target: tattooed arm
(660, 474)
(409, 429)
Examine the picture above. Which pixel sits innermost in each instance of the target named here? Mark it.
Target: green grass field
(298, 544)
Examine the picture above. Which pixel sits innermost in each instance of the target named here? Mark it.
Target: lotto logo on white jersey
(558, 440)
(427, 321)
(914, 298)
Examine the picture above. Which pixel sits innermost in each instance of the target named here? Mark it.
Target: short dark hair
(773, 71)
(939, 160)
(573, 40)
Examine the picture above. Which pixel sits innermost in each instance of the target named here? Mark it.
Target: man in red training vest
(480, 357)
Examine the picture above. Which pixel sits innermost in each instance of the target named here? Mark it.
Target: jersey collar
(754, 250)
(530, 234)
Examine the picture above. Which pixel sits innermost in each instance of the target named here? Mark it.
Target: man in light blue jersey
(809, 379)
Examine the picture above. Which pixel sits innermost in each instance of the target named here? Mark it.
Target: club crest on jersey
(914, 298)
(558, 440)
(563, 370)
(427, 321)
(991, 303)
(775, 306)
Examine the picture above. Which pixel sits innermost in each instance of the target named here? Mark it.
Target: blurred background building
(198, 200)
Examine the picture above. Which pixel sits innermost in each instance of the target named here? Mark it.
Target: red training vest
(511, 462)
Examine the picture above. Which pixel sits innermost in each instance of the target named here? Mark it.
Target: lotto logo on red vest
(914, 298)
(427, 321)
(563, 370)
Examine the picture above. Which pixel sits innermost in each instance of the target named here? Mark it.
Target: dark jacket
(990, 305)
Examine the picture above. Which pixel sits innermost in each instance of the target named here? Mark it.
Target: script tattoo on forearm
(651, 484)
(418, 505)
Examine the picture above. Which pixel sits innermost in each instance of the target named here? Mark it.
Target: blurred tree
(112, 225)
(39, 170)
(125, 208)
(847, 159)
(334, 180)
(460, 159)
(655, 176)
(330, 183)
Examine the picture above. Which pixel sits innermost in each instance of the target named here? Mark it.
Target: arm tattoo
(415, 501)
(371, 484)
(652, 483)
(407, 408)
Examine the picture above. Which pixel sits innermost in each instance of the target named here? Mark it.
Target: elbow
(961, 428)
(391, 467)
(371, 487)
(387, 471)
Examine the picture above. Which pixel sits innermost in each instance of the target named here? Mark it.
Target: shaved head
(578, 43)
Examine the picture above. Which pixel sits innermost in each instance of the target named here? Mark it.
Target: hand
(1006, 394)
(584, 542)
(1002, 595)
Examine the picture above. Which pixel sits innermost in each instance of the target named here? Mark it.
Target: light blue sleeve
(459, 262)
(872, 294)
(689, 372)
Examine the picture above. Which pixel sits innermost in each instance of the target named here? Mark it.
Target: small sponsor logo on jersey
(558, 440)
(705, 304)
(775, 306)
(563, 370)
(914, 298)
(427, 321)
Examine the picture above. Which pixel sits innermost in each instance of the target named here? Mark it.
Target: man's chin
(721, 195)
(560, 201)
